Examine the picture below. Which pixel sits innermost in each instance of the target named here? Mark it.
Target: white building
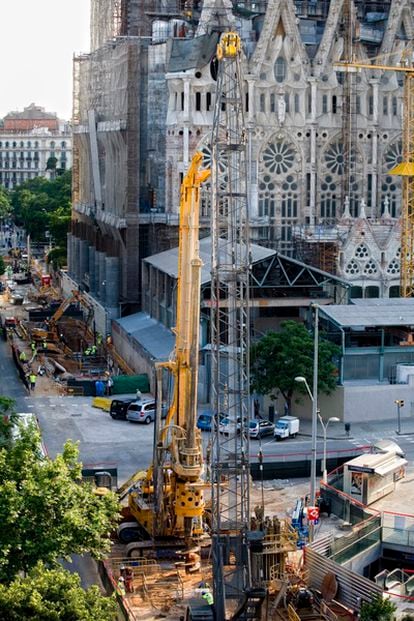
(29, 141)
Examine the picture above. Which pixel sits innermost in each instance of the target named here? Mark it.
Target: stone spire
(216, 15)
(386, 213)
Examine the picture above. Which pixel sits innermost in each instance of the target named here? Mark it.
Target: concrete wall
(355, 403)
(358, 563)
(102, 317)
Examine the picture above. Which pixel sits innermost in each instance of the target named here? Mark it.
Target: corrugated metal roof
(151, 335)
(372, 313)
(167, 261)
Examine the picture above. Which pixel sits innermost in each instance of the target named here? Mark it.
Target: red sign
(313, 514)
(46, 280)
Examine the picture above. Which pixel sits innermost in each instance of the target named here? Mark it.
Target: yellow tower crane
(405, 169)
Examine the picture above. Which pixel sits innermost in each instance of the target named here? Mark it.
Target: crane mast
(230, 271)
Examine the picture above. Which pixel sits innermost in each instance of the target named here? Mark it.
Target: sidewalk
(336, 431)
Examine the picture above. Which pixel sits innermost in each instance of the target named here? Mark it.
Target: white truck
(286, 427)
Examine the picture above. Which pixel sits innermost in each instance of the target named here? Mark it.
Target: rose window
(393, 267)
(278, 157)
(352, 268)
(361, 252)
(393, 156)
(370, 267)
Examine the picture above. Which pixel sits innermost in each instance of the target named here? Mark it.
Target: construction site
(223, 117)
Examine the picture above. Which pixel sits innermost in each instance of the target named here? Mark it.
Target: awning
(389, 467)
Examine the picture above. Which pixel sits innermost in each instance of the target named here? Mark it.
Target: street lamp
(302, 380)
(332, 419)
(400, 404)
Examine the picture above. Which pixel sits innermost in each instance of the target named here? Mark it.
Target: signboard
(313, 514)
(46, 280)
(361, 469)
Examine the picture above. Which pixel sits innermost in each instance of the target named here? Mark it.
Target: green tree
(40, 205)
(53, 595)
(378, 609)
(279, 357)
(8, 418)
(5, 204)
(2, 266)
(46, 513)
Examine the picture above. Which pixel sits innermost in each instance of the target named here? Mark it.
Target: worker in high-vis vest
(32, 380)
(208, 597)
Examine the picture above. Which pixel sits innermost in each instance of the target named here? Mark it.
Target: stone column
(69, 254)
(102, 278)
(91, 270)
(83, 259)
(112, 282)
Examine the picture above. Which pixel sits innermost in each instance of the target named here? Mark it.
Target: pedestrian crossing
(378, 436)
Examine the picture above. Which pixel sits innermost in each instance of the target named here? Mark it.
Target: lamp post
(332, 419)
(302, 380)
(400, 404)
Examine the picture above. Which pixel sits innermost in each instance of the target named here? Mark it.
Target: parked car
(205, 421)
(119, 407)
(226, 426)
(260, 428)
(143, 412)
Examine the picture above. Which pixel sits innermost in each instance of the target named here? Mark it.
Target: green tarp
(129, 384)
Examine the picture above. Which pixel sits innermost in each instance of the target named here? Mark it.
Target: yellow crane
(51, 332)
(405, 169)
(167, 501)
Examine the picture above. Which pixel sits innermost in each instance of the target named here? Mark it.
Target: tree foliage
(279, 357)
(5, 204)
(53, 595)
(2, 266)
(46, 513)
(378, 609)
(40, 205)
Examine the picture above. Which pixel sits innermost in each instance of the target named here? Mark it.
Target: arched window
(280, 69)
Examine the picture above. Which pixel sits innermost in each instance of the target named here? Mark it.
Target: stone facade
(294, 112)
(144, 102)
(27, 140)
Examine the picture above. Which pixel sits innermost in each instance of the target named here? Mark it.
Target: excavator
(167, 500)
(51, 333)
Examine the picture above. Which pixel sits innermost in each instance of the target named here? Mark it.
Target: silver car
(143, 412)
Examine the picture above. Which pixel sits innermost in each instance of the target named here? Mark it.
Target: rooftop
(167, 261)
(32, 112)
(372, 313)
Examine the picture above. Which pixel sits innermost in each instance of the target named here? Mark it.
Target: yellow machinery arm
(169, 502)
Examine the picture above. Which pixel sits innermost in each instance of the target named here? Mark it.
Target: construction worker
(33, 346)
(99, 339)
(94, 349)
(32, 380)
(87, 351)
(44, 344)
(23, 357)
(121, 586)
(208, 597)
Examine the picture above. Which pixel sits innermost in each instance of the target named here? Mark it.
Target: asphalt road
(128, 446)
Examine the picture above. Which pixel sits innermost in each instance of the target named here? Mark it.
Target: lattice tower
(230, 332)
